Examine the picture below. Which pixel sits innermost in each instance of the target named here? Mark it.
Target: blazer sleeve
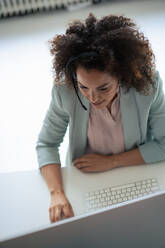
(154, 150)
(52, 131)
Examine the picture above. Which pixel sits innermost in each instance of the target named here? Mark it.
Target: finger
(77, 161)
(68, 211)
(80, 165)
(71, 211)
(80, 160)
(58, 213)
(51, 214)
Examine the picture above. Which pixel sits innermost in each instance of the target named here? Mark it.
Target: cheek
(109, 95)
(83, 92)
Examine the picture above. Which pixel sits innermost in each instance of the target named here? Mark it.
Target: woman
(108, 91)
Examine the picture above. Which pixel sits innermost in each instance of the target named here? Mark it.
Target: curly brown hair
(122, 50)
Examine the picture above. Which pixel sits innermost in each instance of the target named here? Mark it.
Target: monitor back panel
(139, 224)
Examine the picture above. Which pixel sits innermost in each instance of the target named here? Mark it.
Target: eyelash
(103, 89)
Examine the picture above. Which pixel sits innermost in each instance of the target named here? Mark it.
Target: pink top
(105, 132)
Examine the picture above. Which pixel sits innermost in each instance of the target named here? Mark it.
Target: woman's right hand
(59, 206)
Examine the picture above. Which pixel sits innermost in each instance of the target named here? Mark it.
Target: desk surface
(24, 196)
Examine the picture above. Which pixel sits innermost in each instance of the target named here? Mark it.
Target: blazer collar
(130, 118)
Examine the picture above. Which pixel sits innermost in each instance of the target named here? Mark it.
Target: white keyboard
(109, 196)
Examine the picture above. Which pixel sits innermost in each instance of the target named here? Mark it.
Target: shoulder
(63, 95)
(158, 82)
(157, 78)
(145, 102)
(62, 90)
(154, 90)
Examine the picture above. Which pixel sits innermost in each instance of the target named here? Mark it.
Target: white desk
(24, 196)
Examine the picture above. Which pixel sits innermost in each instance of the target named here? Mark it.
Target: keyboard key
(103, 195)
(154, 188)
(118, 191)
(112, 197)
(105, 203)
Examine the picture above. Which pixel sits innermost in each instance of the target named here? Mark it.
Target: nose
(93, 96)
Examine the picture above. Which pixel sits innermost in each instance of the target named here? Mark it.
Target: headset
(73, 75)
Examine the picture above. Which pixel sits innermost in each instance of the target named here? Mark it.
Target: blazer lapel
(80, 124)
(130, 119)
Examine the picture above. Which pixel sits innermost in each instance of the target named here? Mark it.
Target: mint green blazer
(143, 119)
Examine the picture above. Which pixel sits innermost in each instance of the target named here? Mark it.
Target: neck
(110, 104)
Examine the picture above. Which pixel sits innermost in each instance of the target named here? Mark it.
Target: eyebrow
(101, 86)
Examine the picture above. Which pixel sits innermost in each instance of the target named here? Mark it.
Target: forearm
(53, 177)
(129, 158)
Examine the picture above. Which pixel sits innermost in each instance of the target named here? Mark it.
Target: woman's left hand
(94, 163)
